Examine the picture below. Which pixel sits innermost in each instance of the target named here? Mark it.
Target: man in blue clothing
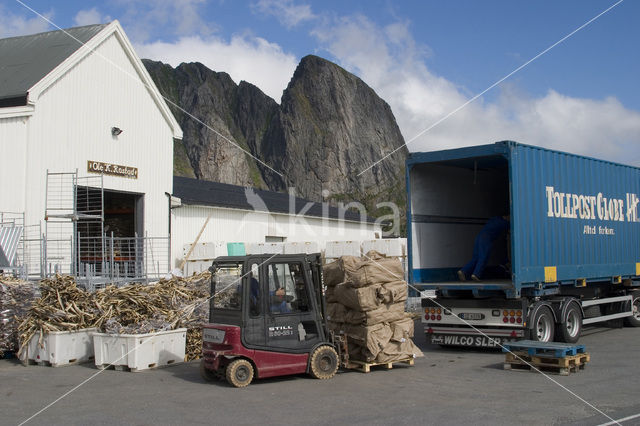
(495, 227)
(278, 299)
(279, 302)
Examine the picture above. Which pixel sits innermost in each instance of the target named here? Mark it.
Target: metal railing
(120, 260)
(12, 246)
(32, 255)
(94, 261)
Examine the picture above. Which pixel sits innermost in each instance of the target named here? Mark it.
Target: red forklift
(267, 319)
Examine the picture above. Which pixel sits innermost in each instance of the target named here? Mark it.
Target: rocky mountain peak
(329, 127)
(335, 126)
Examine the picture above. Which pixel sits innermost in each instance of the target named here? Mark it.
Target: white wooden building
(78, 110)
(249, 216)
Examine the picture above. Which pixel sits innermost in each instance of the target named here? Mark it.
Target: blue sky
(426, 58)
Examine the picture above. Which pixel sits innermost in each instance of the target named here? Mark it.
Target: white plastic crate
(140, 351)
(196, 266)
(300, 247)
(336, 249)
(205, 251)
(255, 248)
(60, 348)
(392, 247)
(273, 248)
(265, 248)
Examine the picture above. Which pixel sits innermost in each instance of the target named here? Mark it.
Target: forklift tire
(324, 363)
(239, 373)
(634, 321)
(206, 374)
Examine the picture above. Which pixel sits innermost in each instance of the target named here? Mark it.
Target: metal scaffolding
(72, 205)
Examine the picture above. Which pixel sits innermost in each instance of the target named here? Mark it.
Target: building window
(227, 286)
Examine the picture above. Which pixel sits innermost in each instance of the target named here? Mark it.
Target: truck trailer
(570, 256)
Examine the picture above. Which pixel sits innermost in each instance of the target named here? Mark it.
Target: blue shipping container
(573, 219)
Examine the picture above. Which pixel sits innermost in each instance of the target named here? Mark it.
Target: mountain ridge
(329, 126)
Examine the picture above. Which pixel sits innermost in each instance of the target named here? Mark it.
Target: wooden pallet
(552, 349)
(365, 367)
(521, 360)
(58, 364)
(124, 367)
(121, 368)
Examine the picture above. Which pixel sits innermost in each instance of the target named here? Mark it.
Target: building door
(124, 232)
(291, 317)
(108, 224)
(121, 217)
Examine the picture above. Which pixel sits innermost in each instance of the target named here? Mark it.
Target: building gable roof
(215, 194)
(28, 55)
(26, 60)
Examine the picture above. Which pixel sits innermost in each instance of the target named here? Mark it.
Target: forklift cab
(267, 313)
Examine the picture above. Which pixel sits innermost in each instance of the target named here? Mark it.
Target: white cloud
(16, 25)
(599, 128)
(89, 17)
(142, 18)
(289, 14)
(244, 57)
(391, 61)
(394, 65)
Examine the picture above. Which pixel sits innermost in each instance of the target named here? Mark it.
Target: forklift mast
(315, 262)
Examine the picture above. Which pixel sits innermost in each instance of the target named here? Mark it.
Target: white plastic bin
(273, 248)
(196, 266)
(140, 351)
(255, 248)
(265, 248)
(301, 247)
(392, 247)
(205, 251)
(60, 348)
(336, 249)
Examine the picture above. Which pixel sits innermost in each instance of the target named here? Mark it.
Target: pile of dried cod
(132, 309)
(16, 297)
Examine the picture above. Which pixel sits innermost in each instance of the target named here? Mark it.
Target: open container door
(452, 195)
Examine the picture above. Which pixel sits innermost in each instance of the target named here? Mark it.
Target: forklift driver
(279, 303)
(278, 299)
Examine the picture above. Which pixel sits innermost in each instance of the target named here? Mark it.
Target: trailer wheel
(206, 374)
(324, 363)
(239, 373)
(634, 321)
(543, 325)
(571, 325)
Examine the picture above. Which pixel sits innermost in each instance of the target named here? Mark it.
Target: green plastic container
(236, 249)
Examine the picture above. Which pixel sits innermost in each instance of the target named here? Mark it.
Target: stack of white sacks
(365, 301)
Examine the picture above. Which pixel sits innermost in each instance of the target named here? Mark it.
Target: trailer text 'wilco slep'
(569, 254)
